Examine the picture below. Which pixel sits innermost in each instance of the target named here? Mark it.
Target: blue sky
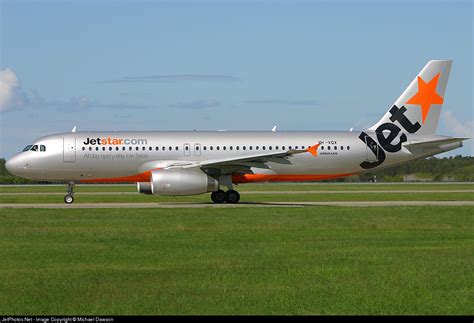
(236, 65)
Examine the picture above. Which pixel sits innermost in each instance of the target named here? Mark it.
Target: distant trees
(458, 168)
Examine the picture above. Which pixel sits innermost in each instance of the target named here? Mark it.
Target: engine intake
(179, 182)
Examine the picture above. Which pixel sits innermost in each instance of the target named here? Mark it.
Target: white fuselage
(130, 156)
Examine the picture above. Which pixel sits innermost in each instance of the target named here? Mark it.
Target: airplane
(198, 162)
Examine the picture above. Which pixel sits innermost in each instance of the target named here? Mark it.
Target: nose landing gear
(69, 197)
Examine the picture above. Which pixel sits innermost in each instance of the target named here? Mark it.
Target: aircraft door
(197, 149)
(69, 149)
(187, 150)
(371, 150)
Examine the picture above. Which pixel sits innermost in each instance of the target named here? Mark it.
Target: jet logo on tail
(392, 130)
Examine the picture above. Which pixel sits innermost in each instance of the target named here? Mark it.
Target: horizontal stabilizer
(432, 144)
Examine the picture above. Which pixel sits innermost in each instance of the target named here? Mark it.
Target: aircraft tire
(232, 197)
(68, 199)
(218, 196)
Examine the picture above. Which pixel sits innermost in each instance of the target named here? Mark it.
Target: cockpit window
(42, 148)
(27, 147)
(34, 148)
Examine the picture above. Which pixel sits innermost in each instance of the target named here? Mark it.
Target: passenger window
(283, 147)
(90, 148)
(217, 148)
(237, 147)
(348, 147)
(96, 148)
(224, 148)
(156, 148)
(342, 147)
(42, 148)
(164, 148)
(103, 148)
(130, 148)
(150, 149)
(256, 148)
(276, 147)
(176, 148)
(205, 148)
(243, 147)
(110, 148)
(322, 147)
(123, 148)
(289, 147)
(263, 147)
(329, 147)
(270, 148)
(117, 148)
(335, 147)
(230, 147)
(83, 148)
(211, 148)
(251, 147)
(136, 148)
(170, 148)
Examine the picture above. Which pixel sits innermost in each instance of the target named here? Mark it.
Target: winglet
(313, 150)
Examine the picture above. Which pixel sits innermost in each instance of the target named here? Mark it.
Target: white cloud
(11, 95)
(459, 128)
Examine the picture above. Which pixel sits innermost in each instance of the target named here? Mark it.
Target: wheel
(232, 196)
(68, 199)
(218, 197)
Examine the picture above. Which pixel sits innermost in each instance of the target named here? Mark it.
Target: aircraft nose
(13, 165)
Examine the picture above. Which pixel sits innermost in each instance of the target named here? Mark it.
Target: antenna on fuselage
(274, 129)
(73, 129)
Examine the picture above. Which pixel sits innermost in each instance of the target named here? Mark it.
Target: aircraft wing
(244, 163)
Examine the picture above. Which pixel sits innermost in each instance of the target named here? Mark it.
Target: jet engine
(144, 187)
(178, 182)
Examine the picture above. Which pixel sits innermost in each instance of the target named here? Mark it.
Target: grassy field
(139, 198)
(312, 260)
(251, 193)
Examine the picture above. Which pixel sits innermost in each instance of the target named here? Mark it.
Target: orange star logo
(313, 150)
(426, 96)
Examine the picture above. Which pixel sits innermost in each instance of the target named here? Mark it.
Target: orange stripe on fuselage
(143, 177)
(236, 178)
(248, 178)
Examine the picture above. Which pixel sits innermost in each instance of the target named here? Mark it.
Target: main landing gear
(230, 196)
(69, 197)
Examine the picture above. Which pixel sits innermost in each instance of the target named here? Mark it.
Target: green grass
(253, 187)
(311, 260)
(319, 197)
